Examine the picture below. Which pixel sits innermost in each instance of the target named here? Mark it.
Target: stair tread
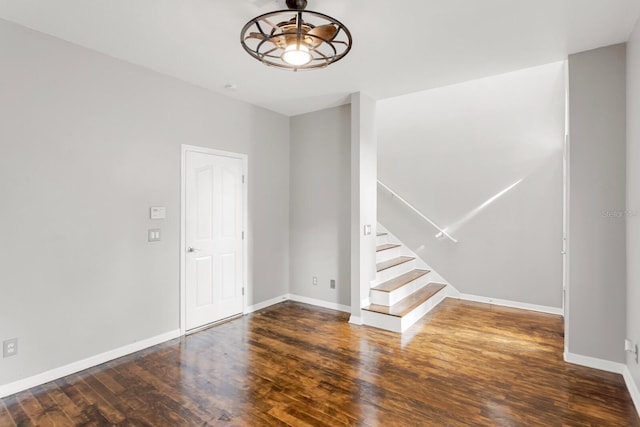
(392, 262)
(405, 306)
(400, 281)
(386, 246)
(381, 234)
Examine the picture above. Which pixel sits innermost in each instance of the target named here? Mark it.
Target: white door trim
(566, 212)
(245, 252)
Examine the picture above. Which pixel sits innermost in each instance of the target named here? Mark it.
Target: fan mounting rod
(297, 4)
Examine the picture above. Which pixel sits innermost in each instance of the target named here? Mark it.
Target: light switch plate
(158, 212)
(367, 229)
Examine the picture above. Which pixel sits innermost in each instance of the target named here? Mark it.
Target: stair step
(405, 306)
(392, 262)
(381, 234)
(386, 247)
(400, 281)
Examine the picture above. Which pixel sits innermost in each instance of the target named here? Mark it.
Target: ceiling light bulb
(297, 55)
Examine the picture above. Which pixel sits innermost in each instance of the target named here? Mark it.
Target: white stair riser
(388, 254)
(390, 298)
(381, 321)
(395, 271)
(381, 240)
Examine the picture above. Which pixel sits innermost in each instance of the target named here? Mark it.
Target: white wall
(597, 261)
(88, 143)
(633, 196)
(449, 151)
(320, 197)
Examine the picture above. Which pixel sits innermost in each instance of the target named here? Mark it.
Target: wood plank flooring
(464, 364)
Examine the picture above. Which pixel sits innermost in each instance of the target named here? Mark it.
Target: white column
(364, 162)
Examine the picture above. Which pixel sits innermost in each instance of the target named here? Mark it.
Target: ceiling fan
(296, 39)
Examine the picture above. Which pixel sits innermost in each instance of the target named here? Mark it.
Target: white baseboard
(72, 368)
(320, 303)
(298, 298)
(355, 320)
(513, 304)
(632, 387)
(595, 363)
(265, 304)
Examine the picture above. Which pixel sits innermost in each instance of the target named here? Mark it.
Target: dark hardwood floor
(465, 364)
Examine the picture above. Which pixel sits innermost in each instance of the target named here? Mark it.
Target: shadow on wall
(509, 245)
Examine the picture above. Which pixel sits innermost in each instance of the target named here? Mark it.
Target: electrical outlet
(315, 281)
(10, 347)
(332, 284)
(154, 235)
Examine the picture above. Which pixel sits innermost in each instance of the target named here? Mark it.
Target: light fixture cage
(266, 37)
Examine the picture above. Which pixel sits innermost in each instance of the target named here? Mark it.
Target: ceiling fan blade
(278, 41)
(258, 36)
(326, 32)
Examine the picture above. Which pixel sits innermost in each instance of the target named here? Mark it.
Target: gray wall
(88, 144)
(597, 266)
(633, 196)
(320, 204)
(451, 150)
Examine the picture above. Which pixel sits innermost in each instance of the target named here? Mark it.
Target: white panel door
(213, 235)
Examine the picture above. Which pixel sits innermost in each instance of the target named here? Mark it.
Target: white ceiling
(399, 46)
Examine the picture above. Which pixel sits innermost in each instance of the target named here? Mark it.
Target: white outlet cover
(10, 347)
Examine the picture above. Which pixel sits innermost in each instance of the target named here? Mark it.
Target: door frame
(183, 222)
(566, 212)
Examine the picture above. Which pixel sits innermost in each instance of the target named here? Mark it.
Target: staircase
(405, 288)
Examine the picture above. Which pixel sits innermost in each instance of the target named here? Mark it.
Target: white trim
(355, 320)
(80, 365)
(632, 387)
(245, 206)
(512, 304)
(304, 300)
(320, 303)
(267, 303)
(595, 363)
